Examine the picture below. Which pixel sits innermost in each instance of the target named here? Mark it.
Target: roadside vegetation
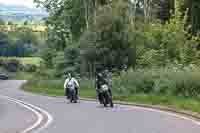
(19, 68)
(55, 88)
(174, 87)
(20, 49)
(151, 47)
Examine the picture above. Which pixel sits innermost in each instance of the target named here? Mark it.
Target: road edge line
(36, 110)
(37, 114)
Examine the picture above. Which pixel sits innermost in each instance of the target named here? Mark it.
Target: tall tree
(68, 19)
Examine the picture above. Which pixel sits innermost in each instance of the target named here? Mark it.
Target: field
(21, 75)
(25, 60)
(31, 60)
(34, 28)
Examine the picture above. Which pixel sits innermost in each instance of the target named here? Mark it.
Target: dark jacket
(100, 80)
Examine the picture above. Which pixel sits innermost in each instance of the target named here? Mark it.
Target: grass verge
(55, 88)
(23, 76)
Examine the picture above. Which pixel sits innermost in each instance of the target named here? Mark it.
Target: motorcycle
(72, 94)
(105, 96)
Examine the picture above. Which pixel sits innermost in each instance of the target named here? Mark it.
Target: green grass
(180, 103)
(55, 88)
(23, 76)
(31, 60)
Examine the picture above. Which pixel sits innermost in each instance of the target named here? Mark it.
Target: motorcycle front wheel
(108, 98)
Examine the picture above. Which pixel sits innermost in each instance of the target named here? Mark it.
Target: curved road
(89, 117)
(10, 111)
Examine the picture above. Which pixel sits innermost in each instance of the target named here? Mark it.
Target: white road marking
(36, 110)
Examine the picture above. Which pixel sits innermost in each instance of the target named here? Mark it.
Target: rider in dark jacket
(101, 79)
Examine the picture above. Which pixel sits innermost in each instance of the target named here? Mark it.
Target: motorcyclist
(102, 78)
(72, 82)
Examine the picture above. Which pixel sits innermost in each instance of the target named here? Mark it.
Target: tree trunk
(147, 10)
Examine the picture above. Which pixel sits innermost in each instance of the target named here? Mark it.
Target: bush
(44, 73)
(163, 81)
(47, 56)
(169, 81)
(1, 62)
(11, 65)
(28, 68)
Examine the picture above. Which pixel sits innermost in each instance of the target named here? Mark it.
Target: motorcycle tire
(73, 97)
(108, 98)
(105, 99)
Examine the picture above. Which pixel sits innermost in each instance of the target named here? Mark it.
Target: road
(10, 110)
(88, 117)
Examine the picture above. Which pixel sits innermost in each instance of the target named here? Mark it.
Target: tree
(193, 6)
(69, 19)
(106, 43)
(66, 21)
(26, 22)
(194, 17)
(165, 7)
(47, 56)
(10, 23)
(2, 22)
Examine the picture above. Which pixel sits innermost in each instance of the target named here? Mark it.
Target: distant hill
(21, 13)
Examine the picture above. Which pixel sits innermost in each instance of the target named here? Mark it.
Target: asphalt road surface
(85, 117)
(14, 118)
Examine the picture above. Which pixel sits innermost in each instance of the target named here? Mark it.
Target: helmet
(69, 75)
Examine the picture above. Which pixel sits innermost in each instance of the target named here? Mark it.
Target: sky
(27, 3)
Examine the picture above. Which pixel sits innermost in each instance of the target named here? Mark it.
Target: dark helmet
(99, 68)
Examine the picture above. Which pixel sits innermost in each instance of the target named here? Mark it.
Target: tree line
(87, 35)
(21, 42)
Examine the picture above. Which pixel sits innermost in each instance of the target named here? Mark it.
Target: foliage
(28, 68)
(72, 59)
(59, 62)
(175, 81)
(47, 57)
(66, 21)
(170, 81)
(19, 43)
(106, 43)
(55, 88)
(13, 64)
(170, 43)
(10, 23)
(118, 34)
(2, 22)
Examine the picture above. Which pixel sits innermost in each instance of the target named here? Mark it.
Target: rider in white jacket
(71, 81)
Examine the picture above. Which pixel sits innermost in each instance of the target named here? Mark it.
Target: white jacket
(72, 82)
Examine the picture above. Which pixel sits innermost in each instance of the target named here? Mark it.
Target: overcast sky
(27, 3)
